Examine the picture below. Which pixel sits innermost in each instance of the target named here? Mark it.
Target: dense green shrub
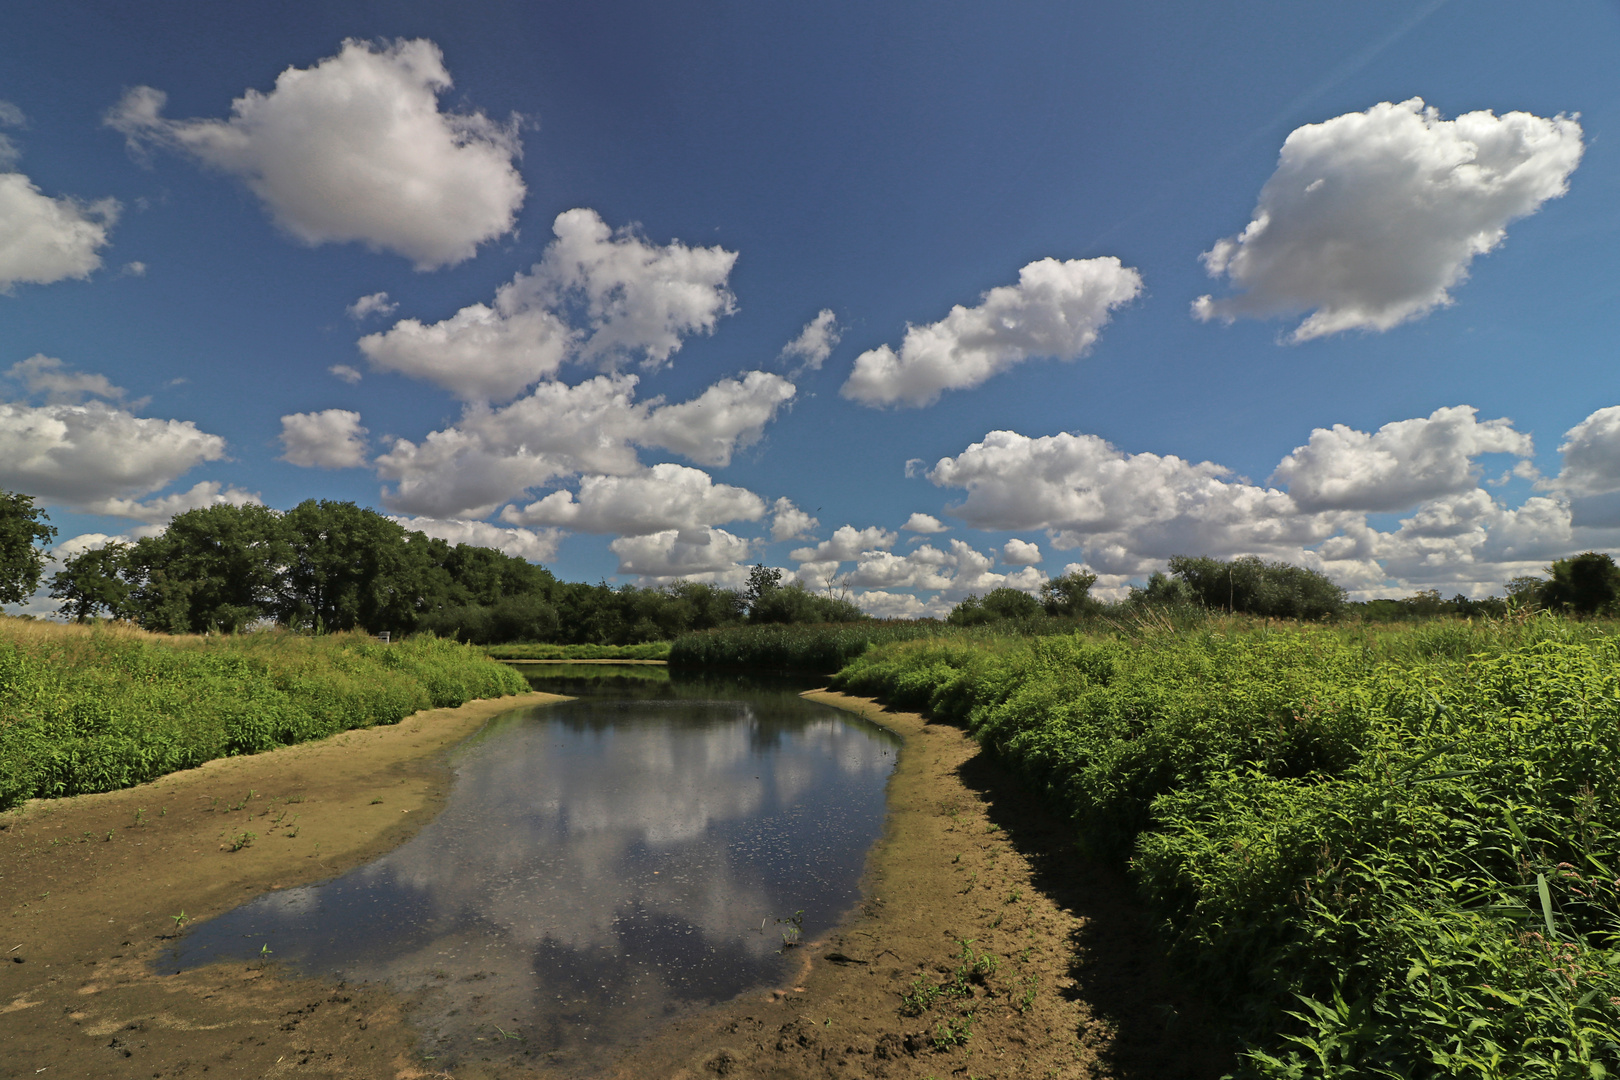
(820, 648)
(1394, 853)
(95, 708)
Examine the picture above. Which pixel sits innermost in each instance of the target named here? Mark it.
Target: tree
(1069, 594)
(92, 581)
(996, 605)
(218, 567)
(1162, 589)
(349, 567)
(1276, 589)
(22, 526)
(1586, 584)
(762, 581)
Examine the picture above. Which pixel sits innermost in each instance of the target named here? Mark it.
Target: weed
(377, 801)
(992, 828)
(1026, 1000)
(242, 840)
(920, 998)
(949, 1033)
(795, 928)
(1014, 896)
(140, 815)
(180, 920)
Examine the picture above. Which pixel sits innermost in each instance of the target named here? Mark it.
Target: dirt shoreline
(90, 887)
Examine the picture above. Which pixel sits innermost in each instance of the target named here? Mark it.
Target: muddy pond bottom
(601, 866)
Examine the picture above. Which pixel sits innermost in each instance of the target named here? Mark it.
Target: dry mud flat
(986, 947)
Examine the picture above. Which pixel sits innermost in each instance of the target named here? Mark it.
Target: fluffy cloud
(345, 372)
(157, 512)
(1371, 218)
(330, 439)
(1400, 465)
(924, 523)
(846, 543)
(59, 384)
(815, 342)
(705, 554)
(44, 239)
(82, 455)
(376, 303)
(1591, 452)
(595, 295)
(1016, 552)
(356, 148)
(1056, 309)
(954, 574)
(494, 455)
(788, 522)
(881, 604)
(527, 544)
(664, 497)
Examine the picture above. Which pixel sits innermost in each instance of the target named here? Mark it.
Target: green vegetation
(22, 529)
(822, 649)
(652, 650)
(1395, 852)
(96, 708)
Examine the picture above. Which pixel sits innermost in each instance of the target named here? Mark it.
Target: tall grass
(820, 648)
(650, 650)
(1394, 851)
(100, 707)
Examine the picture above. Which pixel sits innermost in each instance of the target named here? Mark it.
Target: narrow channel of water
(601, 865)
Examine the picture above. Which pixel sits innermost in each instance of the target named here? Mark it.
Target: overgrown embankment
(651, 650)
(96, 708)
(1395, 853)
(822, 648)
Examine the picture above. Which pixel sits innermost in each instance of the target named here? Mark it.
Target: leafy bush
(790, 647)
(1395, 853)
(96, 708)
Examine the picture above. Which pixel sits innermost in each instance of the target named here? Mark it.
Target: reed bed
(1394, 851)
(106, 706)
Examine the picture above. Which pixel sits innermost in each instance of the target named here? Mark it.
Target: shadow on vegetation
(1162, 1029)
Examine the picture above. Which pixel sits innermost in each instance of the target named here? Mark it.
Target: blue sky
(593, 222)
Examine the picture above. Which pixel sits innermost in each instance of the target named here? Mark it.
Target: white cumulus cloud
(815, 342)
(82, 455)
(1372, 217)
(1056, 309)
(329, 439)
(595, 295)
(376, 303)
(535, 546)
(788, 522)
(1591, 452)
(846, 543)
(924, 523)
(345, 372)
(60, 384)
(1398, 466)
(45, 239)
(704, 554)
(494, 455)
(157, 512)
(1016, 552)
(664, 497)
(356, 148)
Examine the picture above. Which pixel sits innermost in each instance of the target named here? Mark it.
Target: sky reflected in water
(601, 865)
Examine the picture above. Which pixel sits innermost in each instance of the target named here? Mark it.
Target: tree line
(326, 565)
(329, 566)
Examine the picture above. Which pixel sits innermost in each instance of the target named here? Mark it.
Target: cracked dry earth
(986, 946)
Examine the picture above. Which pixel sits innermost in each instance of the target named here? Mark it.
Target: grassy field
(1395, 851)
(100, 707)
(652, 650)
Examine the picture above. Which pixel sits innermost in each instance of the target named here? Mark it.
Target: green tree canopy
(92, 582)
(1248, 584)
(1586, 584)
(23, 529)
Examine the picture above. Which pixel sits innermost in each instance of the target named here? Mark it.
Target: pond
(601, 866)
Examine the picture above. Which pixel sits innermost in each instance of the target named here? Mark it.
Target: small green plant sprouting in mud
(1026, 1000)
(1014, 896)
(140, 815)
(242, 840)
(919, 999)
(949, 1033)
(109, 837)
(992, 828)
(509, 1034)
(795, 929)
(180, 920)
(376, 801)
(265, 953)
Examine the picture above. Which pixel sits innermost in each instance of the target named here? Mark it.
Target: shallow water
(601, 865)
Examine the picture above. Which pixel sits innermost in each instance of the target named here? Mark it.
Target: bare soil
(986, 947)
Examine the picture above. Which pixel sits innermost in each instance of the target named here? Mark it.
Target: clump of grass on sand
(106, 706)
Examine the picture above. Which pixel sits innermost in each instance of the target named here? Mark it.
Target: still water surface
(600, 866)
